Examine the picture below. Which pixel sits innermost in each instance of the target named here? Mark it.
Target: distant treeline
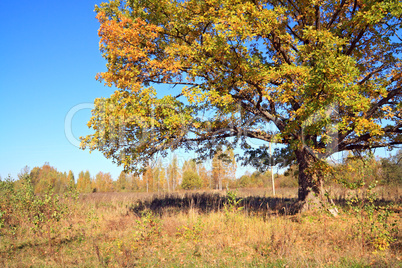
(192, 175)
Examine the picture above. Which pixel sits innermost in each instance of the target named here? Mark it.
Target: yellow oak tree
(202, 74)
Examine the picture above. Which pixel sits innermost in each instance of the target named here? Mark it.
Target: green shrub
(191, 180)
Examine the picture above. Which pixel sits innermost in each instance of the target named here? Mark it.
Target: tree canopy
(327, 74)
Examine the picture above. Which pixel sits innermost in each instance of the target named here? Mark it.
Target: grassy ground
(99, 230)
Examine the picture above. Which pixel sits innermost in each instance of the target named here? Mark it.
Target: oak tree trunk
(311, 193)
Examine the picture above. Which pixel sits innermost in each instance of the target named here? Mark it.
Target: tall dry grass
(101, 231)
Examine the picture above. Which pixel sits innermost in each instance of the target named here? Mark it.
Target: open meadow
(224, 133)
(210, 230)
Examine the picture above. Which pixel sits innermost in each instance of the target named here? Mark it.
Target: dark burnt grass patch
(211, 202)
(207, 202)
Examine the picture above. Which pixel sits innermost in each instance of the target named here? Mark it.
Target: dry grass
(100, 231)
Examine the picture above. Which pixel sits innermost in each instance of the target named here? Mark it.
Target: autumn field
(246, 133)
(112, 230)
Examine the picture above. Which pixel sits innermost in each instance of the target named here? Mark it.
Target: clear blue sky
(49, 57)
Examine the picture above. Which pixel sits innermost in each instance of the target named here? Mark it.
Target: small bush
(191, 180)
(24, 212)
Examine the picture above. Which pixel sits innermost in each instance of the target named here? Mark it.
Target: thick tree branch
(317, 17)
(355, 41)
(377, 70)
(227, 132)
(336, 14)
(364, 142)
(360, 147)
(391, 94)
(259, 112)
(277, 45)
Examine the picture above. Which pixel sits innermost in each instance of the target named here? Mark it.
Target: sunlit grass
(101, 231)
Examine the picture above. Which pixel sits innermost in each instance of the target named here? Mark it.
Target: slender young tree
(71, 180)
(205, 176)
(324, 73)
(122, 182)
(158, 173)
(230, 167)
(218, 171)
(84, 182)
(223, 168)
(80, 182)
(173, 173)
(148, 178)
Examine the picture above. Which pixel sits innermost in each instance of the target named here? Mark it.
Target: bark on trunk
(311, 194)
(309, 182)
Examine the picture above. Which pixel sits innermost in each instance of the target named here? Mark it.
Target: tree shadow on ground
(210, 202)
(214, 202)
